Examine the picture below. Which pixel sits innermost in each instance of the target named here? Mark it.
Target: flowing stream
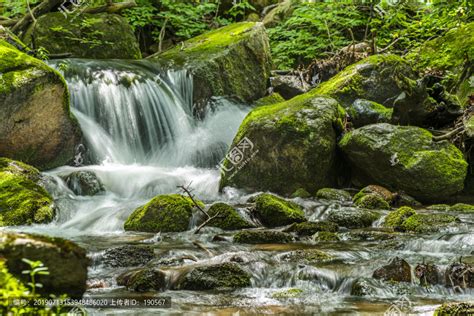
(143, 140)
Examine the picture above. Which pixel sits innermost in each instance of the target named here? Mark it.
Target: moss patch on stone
(228, 218)
(262, 237)
(395, 219)
(310, 228)
(274, 211)
(227, 275)
(352, 217)
(269, 99)
(326, 236)
(309, 256)
(427, 223)
(301, 193)
(449, 309)
(290, 293)
(333, 194)
(462, 208)
(372, 202)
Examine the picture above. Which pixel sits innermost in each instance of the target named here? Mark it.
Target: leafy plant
(36, 268)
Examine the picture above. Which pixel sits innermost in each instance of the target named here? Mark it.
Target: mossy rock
(365, 112)
(293, 146)
(363, 287)
(462, 208)
(228, 218)
(269, 99)
(404, 158)
(233, 61)
(262, 237)
(84, 183)
(333, 195)
(353, 217)
(164, 213)
(59, 255)
(372, 202)
(301, 193)
(308, 256)
(36, 126)
(274, 211)
(377, 190)
(128, 256)
(387, 80)
(143, 280)
(428, 223)
(438, 207)
(370, 235)
(97, 36)
(290, 293)
(227, 275)
(451, 309)
(395, 219)
(397, 270)
(325, 237)
(23, 201)
(311, 228)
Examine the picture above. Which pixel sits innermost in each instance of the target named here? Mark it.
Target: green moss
(290, 293)
(427, 223)
(372, 202)
(274, 211)
(310, 256)
(462, 208)
(164, 213)
(227, 275)
(310, 228)
(269, 99)
(326, 236)
(333, 194)
(262, 237)
(438, 207)
(452, 309)
(301, 193)
(353, 218)
(228, 218)
(395, 219)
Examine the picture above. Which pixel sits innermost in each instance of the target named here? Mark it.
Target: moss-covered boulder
(164, 213)
(84, 183)
(36, 126)
(395, 219)
(97, 36)
(143, 280)
(301, 193)
(228, 217)
(397, 270)
(231, 61)
(308, 256)
(377, 190)
(365, 112)
(127, 256)
(372, 202)
(274, 211)
(428, 223)
(404, 158)
(311, 228)
(289, 145)
(67, 262)
(451, 56)
(227, 275)
(387, 80)
(262, 237)
(449, 309)
(462, 208)
(353, 217)
(333, 195)
(23, 200)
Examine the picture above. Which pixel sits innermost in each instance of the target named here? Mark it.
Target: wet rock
(228, 218)
(460, 275)
(326, 236)
(428, 223)
(60, 256)
(333, 195)
(217, 276)
(262, 237)
(128, 256)
(372, 202)
(462, 208)
(285, 294)
(395, 219)
(449, 309)
(36, 126)
(97, 284)
(164, 213)
(143, 280)
(311, 228)
(428, 274)
(274, 211)
(438, 207)
(362, 287)
(402, 199)
(84, 183)
(404, 158)
(301, 193)
(307, 256)
(289, 145)
(23, 200)
(103, 36)
(352, 217)
(370, 235)
(397, 270)
(365, 112)
(374, 197)
(234, 61)
(289, 86)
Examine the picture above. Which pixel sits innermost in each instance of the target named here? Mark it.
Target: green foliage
(240, 9)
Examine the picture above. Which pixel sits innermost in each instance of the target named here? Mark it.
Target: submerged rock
(23, 200)
(274, 211)
(397, 270)
(84, 183)
(227, 275)
(36, 126)
(333, 194)
(404, 158)
(286, 146)
(353, 217)
(262, 237)
(311, 228)
(448, 309)
(365, 112)
(231, 61)
(228, 218)
(164, 213)
(128, 256)
(67, 262)
(143, 280)
(97, 36)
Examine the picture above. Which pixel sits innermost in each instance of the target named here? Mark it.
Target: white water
(138, 124)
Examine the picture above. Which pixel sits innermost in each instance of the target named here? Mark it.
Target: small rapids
(143, 140)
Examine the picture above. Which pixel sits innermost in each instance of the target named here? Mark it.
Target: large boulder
(231, 61)
(404, 158)
(286, 146)
(227, 217)
(23, 200)
(164, 213)
(97, 36)
(67, 262)
(36, 126)
(387, 80)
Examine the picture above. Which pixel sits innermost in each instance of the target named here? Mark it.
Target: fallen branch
(201, 246)
(191, 196)
(448, 135)
(206, 222)
(42, 8)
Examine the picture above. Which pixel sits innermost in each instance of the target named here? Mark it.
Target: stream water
(143, 141)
